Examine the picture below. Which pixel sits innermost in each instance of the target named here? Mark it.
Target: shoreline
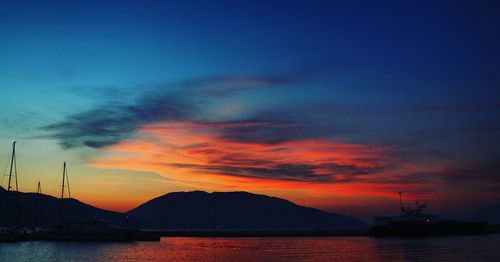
(263, 233)
(489, 229)
(156, 235)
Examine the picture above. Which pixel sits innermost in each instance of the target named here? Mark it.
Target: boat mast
(63, 177)
(13, 167)
(40, 203)
(65, 183)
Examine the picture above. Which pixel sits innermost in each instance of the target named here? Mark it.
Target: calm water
(466, 248)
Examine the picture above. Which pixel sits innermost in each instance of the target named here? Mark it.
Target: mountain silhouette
(39, 209)
(195, 210)
(234, 210)
(488, 213)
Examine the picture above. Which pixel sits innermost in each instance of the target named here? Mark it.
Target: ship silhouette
(412, 221)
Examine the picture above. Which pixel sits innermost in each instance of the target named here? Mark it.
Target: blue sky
(419, 77)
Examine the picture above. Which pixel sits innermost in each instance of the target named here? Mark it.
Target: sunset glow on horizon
(322, 103)
(192, 154)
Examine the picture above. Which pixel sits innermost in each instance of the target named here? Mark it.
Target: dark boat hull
(422, 228)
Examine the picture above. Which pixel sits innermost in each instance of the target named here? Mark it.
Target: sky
(330, 104)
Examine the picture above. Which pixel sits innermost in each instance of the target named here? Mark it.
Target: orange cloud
(194, 154)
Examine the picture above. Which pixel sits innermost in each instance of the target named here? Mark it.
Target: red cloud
(193, 153)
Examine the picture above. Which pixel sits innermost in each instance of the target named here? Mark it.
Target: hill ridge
(234, 210)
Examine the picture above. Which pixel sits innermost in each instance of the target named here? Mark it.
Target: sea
(455, 248)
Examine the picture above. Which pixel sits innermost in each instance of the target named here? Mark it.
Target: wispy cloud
(162, 129)
(289, 172)
(109, 124)
(485, 172)
(202, 151)
(119, 118)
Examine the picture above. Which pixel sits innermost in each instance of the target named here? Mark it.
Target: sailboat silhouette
(12, 231)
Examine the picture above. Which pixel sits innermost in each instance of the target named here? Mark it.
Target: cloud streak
(193, 150)
(115, 121)
(288, 172)
(164, 130)
(109, 124)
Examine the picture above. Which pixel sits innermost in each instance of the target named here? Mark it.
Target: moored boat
(87, 229)
(413, 222)
(11, 231)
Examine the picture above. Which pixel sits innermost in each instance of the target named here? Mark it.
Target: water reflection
(467, 248)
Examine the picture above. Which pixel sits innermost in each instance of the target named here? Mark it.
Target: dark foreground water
(464, 248)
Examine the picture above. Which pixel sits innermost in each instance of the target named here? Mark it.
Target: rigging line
(5, 171)
(14, 163)
(15, 172)
(41, 204)
(11, 164)
(63, 184)
(62, 192)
